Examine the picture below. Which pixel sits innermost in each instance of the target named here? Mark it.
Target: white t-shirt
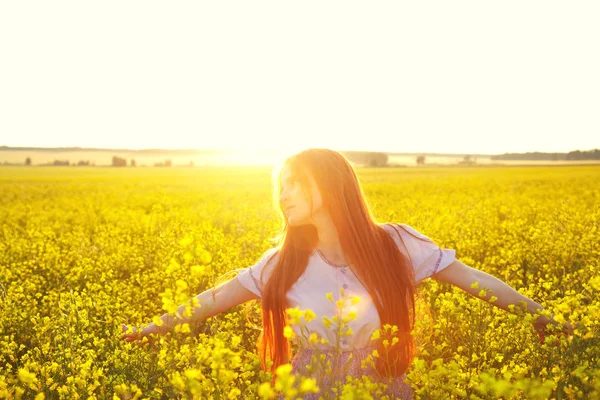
(322, 277)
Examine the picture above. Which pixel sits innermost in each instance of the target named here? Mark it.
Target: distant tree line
(119, 162)
(584, 155)
(122, 162)
(467, 160)
(166, 163)
(116, 162)
(61, 163)
(367, 158)
(570, 156)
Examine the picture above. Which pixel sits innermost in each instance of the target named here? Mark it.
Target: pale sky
(423, 76)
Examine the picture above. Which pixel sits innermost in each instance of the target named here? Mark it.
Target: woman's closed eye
(290, 184)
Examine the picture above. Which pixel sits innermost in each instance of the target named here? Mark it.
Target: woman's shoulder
(402, 230)
(270, 255)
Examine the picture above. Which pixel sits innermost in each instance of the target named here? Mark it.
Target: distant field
(83, 250)
(101, 158)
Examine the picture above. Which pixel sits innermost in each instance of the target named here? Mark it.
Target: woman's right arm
(227, 295)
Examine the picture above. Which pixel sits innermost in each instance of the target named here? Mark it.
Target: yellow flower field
(84, 250)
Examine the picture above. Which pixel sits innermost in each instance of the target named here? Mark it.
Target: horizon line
(220, 150)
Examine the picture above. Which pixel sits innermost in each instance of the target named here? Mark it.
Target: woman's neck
(329, 241)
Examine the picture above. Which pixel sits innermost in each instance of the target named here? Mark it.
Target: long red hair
(384, 271)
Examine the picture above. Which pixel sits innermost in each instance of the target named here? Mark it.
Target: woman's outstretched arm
(464, 277)
(226, 296)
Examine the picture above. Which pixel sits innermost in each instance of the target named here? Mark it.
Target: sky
(426, 76)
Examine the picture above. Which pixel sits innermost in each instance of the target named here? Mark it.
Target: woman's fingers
(541, 336)
(135, 336)
(568, 328)
(124, 329)
(130, 337)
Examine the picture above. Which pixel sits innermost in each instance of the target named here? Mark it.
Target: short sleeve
(427, 258)
(253, 278)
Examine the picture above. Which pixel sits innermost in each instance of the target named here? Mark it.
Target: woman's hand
(138, 334)
(542, 331)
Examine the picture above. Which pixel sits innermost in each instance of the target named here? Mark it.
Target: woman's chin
(292, 222)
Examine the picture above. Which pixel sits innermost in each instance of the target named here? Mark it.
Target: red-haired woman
(330, 243)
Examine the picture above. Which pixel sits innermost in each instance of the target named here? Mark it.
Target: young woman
(330, 243)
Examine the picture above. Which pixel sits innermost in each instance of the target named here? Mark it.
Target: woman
(330, 243)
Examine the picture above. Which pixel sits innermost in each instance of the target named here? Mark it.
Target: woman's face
(299, 202)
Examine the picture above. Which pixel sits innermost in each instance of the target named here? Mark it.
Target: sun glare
(261, 156)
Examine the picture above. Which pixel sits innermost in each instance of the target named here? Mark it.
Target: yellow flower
(355, 300)
(193, 374)
(283, 370)
(376, 334)
(493, 299)
(350, 317)
(482, 293)
(309, 385)
(330, 296)
(197, 270)
(26, 376)
(181, 284)
(186, 241)
(185, 328)
(309, 315)
(327, 322)
(288, 332)
(563, 308)
(314, 338)
(293, 315)
(266, 391)
(475, 285)
(559, 318)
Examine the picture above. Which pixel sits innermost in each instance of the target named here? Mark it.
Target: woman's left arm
(463, 276)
